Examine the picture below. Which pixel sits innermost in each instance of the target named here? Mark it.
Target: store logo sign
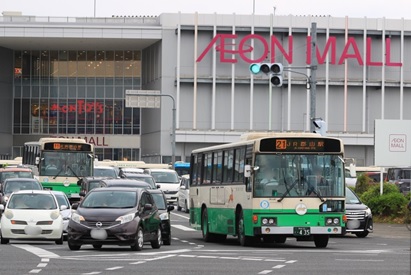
(232, 48)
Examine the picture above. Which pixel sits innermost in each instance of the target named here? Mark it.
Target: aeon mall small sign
(232, 49)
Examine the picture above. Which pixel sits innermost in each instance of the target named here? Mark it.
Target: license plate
(302, 231)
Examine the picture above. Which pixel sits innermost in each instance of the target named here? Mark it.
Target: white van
(169, 182)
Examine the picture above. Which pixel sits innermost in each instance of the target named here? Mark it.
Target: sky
(390, 9)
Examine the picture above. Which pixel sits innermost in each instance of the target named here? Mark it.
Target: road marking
(178, 215)
(114, 268)
(182, 227)
(279, 266)
(42, 265)
(359, 260)
(42, 253)
(265, 272)
(35, 271)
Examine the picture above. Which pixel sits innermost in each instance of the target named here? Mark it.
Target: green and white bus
(61, 163)
(231, 194)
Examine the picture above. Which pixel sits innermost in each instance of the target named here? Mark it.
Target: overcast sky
(390, 9)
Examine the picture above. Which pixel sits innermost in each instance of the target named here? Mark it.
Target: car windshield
(93, 184)
(350, 197)
(14, 186)
(103, 172)
(165, 177)
(110, 199)
(16, 174)
(62, 200)
(159, 200)
(32, 201)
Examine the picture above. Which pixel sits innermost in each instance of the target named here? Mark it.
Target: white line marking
(274, 260)
(35, 271)
(207, 257)
(42, 265)
(182, 227)
(114, 268)
(290, 262)
(251, 259)
(359, 260)
(279, 266)
(139, 262)
(164, 252)
(188, 256)
(42, 253)
(230, 258)
(92, 273)
(178, 215)
(45, 260)
(265, 272)
(162, 257)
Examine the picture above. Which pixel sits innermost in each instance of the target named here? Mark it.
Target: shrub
(390, 203)
(363, 184)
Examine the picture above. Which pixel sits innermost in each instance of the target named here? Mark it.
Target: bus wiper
(74, 173)
(58, 173)
(317, 194)
(288, 190)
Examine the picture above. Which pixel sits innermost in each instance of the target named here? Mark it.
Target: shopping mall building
(68, 77)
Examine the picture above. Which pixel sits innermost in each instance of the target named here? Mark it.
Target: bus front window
(298, 176)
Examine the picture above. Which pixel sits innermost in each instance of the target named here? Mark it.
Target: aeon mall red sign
(242, 49)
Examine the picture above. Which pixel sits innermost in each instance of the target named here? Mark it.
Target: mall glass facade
(76, 92)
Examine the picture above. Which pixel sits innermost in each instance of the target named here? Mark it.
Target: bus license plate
(302, 231)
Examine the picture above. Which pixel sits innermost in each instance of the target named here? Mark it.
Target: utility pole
(313, 78)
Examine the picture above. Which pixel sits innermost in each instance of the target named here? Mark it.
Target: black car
(359, 216)
(142, 177)
(115, 216)
(89, 183)
(164, 210)
(124, 183)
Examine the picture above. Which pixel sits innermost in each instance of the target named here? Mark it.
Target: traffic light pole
(313, 78)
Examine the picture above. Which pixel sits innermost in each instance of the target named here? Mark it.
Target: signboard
(142, 99)
(392, 143)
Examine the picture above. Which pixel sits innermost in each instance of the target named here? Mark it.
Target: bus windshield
(77, 164)
(298, 175)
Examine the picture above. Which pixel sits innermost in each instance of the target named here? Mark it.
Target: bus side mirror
(37, 161)
(353, 172)
(247, 171)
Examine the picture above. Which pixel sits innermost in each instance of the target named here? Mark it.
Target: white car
(183, 194)
(168, 181)
(31, 215)
(65, 213)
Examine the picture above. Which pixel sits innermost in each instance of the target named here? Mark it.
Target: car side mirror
(148, 206)
(63, 207)
(74, 206)
(1, 207)
(170, 208)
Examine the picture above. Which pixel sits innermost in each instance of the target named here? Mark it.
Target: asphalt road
(386, 251)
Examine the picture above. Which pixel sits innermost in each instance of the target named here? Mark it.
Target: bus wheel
(321, 241)
(242, 238)
(204, 227)
(280, 239)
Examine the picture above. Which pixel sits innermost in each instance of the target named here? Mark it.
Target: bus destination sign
(58, 146)
(292, 145)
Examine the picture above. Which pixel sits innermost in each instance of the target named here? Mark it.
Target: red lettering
(207, 49)
(368, 54)
(243, 48)
(350, 51)
(80, 106)
(388, 54)
(72, 108)
(345, 55)
(99, 108)
(275, 42)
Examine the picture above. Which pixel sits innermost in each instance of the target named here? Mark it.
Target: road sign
(143, 99)
(392, 142)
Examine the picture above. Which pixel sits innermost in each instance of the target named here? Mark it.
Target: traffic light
(275, 70)
(320, 126)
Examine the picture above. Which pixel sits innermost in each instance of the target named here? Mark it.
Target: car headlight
(77, 218)
(54, 215)
(367, 212)
(164, 216)
(126, 218)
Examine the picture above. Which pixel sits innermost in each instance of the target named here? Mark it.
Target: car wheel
(73, 246)
(178, 205)
(158, 242)
(139, 242)
(362, 234)
(4, 241)
(321, 241)
(97, 246)
(242, 238)
(60, 241)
